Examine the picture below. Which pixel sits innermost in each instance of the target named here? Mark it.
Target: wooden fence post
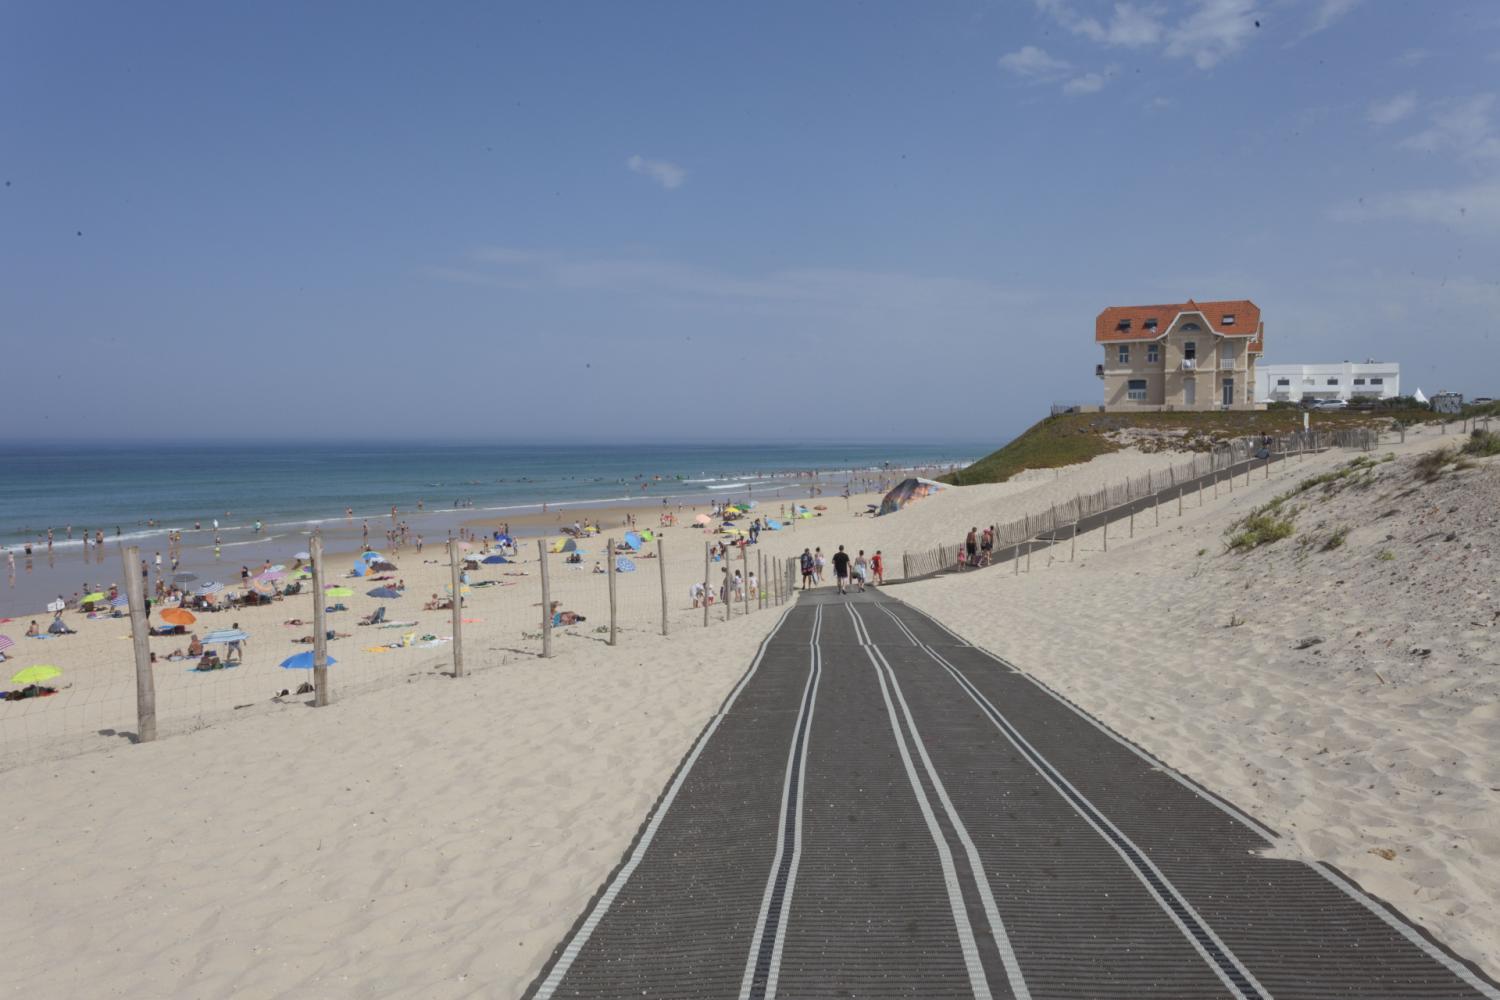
(1106, 531)
(320, 624)
(745, 577)
(1073, 543)
(140, 628)
(609, 549)
(1200, 491)
(455, 561)
(541, 547)
(706, 581)
(661, 572)
(1179, 501)
(728, 590)
(1132, 522)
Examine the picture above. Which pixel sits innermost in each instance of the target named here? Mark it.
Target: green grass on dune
(1070, 438)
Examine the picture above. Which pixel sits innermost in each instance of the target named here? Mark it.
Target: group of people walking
(847, 572)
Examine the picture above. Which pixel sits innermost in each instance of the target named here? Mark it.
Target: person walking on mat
(841, 569)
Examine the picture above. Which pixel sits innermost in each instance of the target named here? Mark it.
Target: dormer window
(1124, 324)
(1228, 320)
(1151, 324)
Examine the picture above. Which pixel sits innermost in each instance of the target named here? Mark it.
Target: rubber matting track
(882, 810)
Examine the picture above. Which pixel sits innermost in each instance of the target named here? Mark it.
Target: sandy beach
(425, 836)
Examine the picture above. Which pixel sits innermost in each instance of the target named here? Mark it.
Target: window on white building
(1377, 381)
(1136, 389)
(1359, 381)
(1333, 381)
(1124, 354)
(1284, 381)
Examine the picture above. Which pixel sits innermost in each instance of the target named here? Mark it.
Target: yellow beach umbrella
(37, 674)
(90, 598)
(338, 592)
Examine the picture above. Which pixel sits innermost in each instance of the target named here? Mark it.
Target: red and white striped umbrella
(6, 642)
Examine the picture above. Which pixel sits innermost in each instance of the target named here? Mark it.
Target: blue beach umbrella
(359, 569)
(624, 565)
(773, 524)
(370, 557)
(494, 560)
(211, 587)
(303, 661)
(225, 635)
(633, 540)
(386, 592)
(120, 602)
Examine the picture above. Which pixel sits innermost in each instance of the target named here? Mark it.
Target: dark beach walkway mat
(881, 810)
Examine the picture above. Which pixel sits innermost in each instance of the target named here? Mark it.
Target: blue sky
(650, 221)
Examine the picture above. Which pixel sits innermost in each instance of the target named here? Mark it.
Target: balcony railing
(1189, 364)
(1226, 364)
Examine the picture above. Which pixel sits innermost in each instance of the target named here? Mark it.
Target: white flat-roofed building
(1346, 381)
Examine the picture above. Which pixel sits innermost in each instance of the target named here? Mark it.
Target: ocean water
(135, 494)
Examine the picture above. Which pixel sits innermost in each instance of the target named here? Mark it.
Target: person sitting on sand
(437, 604)
(32, 630)
(195, 646)
(597, 567)
(209, 661)
(565, 617)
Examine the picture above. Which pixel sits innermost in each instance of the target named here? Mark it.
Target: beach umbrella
(370, 557)
(359, 569)
(302, 574)
(448, 588)
(225, 635)
(633, 540)
(184, 577)
(35, 675)
(89, 598)
(624, 565)
(773, 524)
(119, 602)
(504, 539)
(304, 661)
(274, 573)
(702, 519)
(178, 616)
(648, 535)
(337, 592)
(494, 560)
(6, 642)
(263, 587)
(385, 592)
(382, 566)
(210, 587)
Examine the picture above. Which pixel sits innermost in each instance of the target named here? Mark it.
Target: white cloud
(1474, 207)
(1129, 25)
(1391, 111)
(669, 175)
(821, 291)
(1215, 30)
(1329, 12)
(1459, 126)
(1088, 83)
(1032, 63)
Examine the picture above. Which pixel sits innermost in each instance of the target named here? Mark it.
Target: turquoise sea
(134, 494)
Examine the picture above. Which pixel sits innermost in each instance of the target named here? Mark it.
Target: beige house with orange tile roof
(1182, 356)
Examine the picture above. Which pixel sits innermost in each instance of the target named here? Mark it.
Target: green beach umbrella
(338, 592)
(35, 675)
(95, 596)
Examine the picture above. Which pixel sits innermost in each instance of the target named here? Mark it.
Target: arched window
(1189, 327)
